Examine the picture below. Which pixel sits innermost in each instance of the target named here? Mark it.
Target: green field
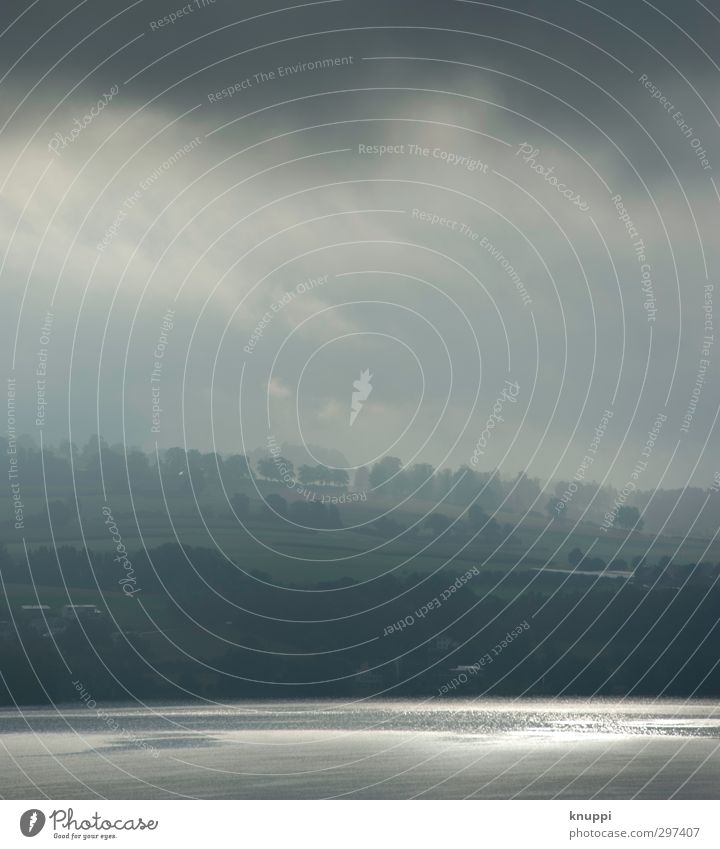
(296, 555)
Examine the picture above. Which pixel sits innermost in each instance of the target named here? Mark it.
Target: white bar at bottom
(362, 824)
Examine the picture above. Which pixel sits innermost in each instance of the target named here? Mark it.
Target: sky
(270, 199)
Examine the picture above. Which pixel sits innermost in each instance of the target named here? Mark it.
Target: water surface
(373, 749)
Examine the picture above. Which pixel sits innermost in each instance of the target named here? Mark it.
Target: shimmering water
(381, 749)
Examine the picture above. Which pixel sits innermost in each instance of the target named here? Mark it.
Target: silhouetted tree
(629, 517)
(276, 504)
(437, 523)
(477, 517)
(240, 504)
(237, 467)
(275, 468)
(420, 480)
(339, 477)
(385, 475)
(61, 513)
(307, 474)
(361, 479)
(574, 557)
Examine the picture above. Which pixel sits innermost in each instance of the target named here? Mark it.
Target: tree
(361, 480)
(477, 517)
(196, 466)
(525, 492)
(276, 505)
(210, 463)
(420, 480)
(387, 527)
(437, 523)
(173, 462)
(138, 467)
(240, 504)
(385, 473)
(574, 557)
(269, 468)
(68, 451)
(61, 513)
(6, 562)
(442, 481)
(339, 477)
(266, 468)
(492, 529)
(490, 490)
(307, 474)
(629, 517)
(180, 467)
(286, 469)
(323, 474)
(237, 467)
(465, 485)
(309, 514)
(90, 454)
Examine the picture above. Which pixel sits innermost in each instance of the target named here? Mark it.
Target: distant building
(48, 626)
(367, 681)
(81, 611)
(441, 648)
(443, 644)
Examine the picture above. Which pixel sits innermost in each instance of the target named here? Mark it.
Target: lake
(484, 749)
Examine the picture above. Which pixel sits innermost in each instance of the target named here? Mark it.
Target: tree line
(177, 470)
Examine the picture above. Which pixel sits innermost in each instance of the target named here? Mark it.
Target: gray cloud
(282, 194)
